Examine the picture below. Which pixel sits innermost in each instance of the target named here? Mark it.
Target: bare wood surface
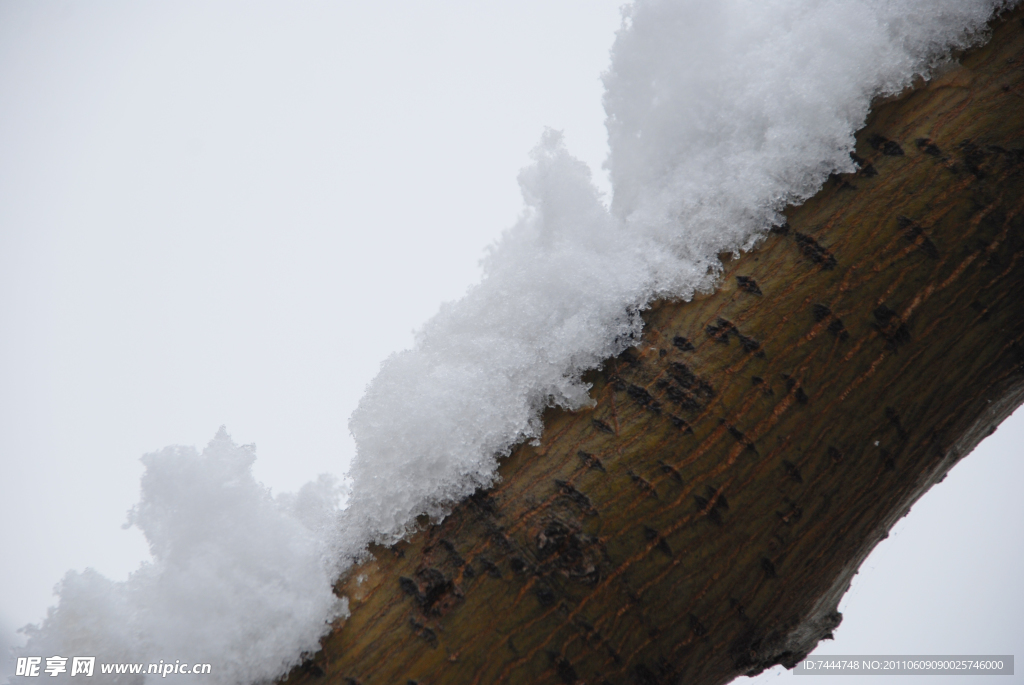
(704, 519)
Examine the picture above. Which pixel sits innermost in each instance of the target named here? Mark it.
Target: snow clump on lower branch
(239, 579)
(720, 112)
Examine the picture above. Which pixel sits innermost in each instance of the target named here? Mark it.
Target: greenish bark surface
(705, 517)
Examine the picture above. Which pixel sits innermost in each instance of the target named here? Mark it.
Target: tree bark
(703, 520)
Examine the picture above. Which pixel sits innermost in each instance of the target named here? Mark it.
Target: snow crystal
(719, 114)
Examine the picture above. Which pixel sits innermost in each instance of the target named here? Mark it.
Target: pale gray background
(206, 211)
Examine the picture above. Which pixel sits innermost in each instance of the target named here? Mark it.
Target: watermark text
(32, 666)
(877, 664)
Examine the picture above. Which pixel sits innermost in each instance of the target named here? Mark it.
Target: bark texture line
(705, 517)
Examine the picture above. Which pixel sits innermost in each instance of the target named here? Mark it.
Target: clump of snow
(560, 295)
(719, 114)
(239, 579)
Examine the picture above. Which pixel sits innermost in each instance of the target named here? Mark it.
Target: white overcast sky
(228, 213)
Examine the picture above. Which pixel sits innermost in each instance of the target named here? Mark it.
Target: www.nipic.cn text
(31, 666)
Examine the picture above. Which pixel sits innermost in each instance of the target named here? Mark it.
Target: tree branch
(705, 517)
